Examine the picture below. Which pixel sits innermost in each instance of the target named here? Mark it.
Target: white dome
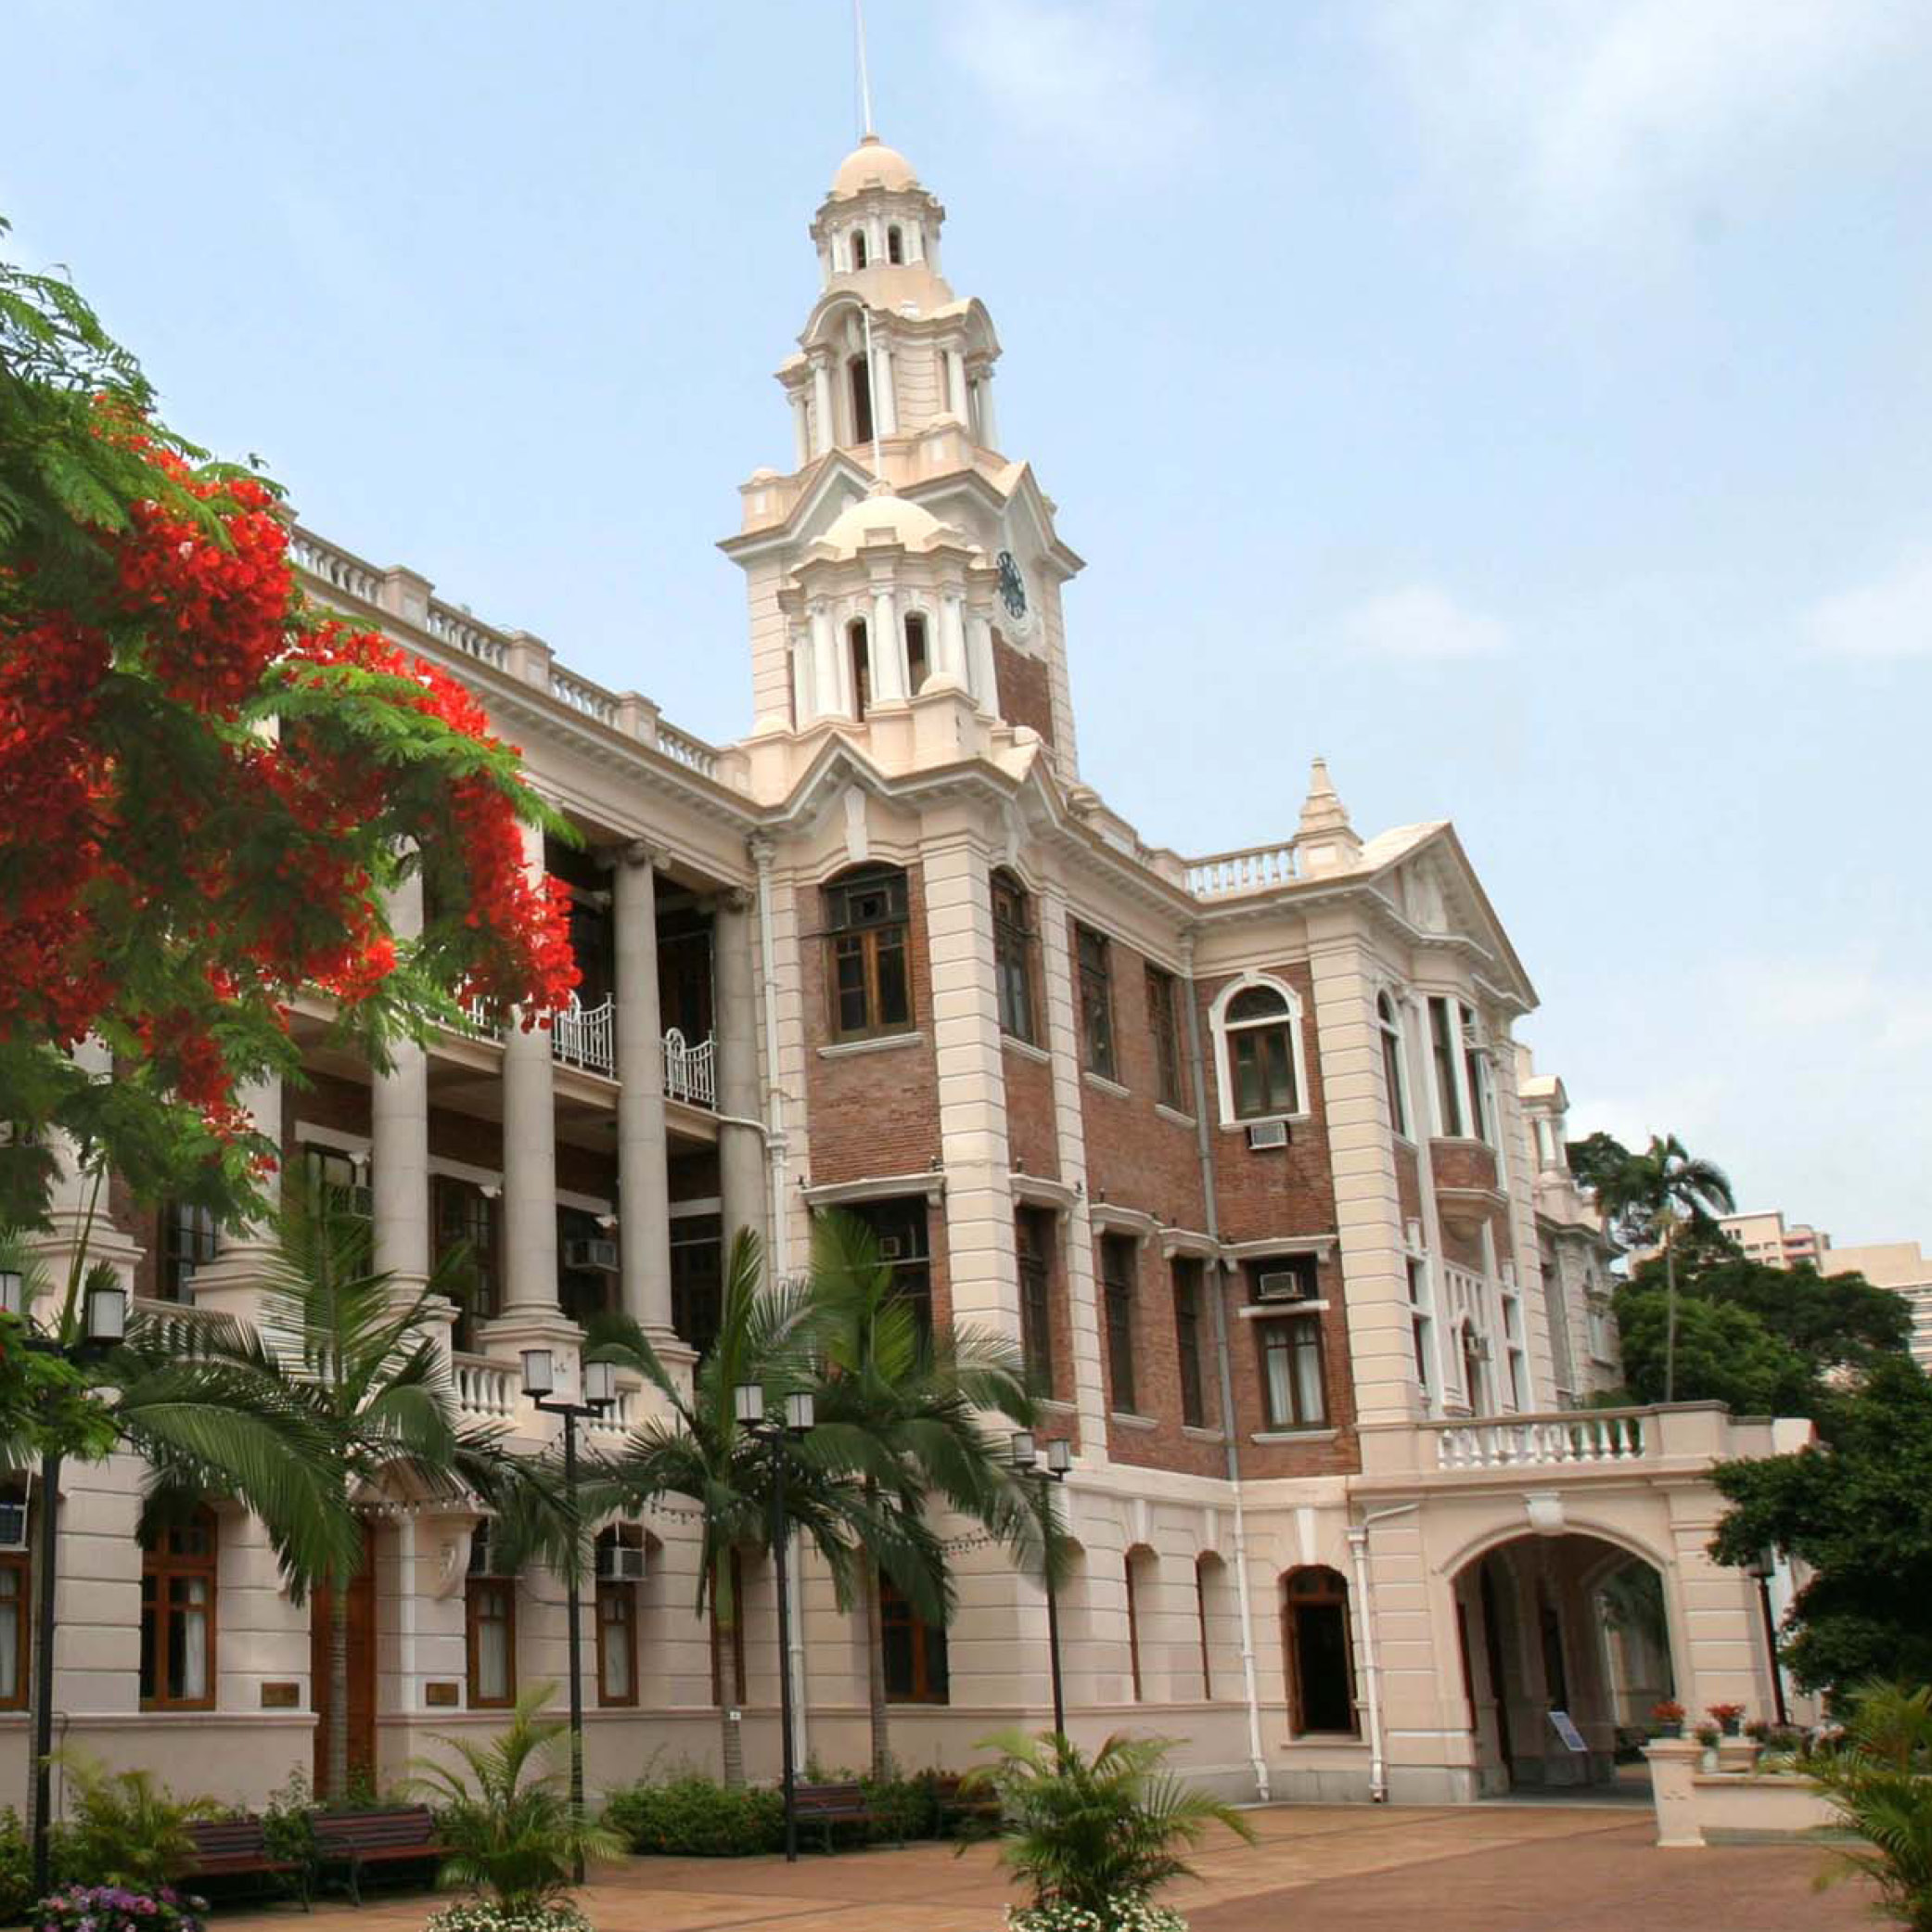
(873, 164)
(882, 517)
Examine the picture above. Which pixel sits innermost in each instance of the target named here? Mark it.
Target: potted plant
(1667, 1716)
(1094, 1837)
(1727, 1716)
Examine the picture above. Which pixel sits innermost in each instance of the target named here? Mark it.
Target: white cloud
(1081, 75)
(1891, 618)
(1421, 621)
(1578, 112)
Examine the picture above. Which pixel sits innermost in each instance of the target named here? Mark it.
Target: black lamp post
(1026, 1463)
(103, 1326)
(1762, 1568)
(599, 1381)
(748, 1400)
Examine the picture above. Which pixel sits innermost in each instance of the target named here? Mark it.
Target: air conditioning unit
(892, 1247)
(1284, 1285)
(619, 1563)
(13, 1523)
(482, 1554)
(596, 1257)
(1268, 1134)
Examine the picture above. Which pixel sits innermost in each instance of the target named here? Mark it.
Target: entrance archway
(1566, 1646)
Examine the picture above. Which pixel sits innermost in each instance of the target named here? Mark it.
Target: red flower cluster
(169, 865)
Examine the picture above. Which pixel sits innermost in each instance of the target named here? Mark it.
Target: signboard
(441, 1697)
(281, 1697)
(1572, 1738)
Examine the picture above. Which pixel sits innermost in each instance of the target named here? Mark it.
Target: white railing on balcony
(485, 1388)
(1588, 1438)
(461, 633)
(1258, 869)
(620, 1418)
(336, 567)
(580, 694)
(694, 754)
(690, 1072)
(585, 1037)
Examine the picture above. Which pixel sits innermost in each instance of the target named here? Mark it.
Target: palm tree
(1651, 1195)
(899, 1405)
(698, 1450)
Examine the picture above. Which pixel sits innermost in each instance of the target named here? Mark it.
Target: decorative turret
(1324, 841)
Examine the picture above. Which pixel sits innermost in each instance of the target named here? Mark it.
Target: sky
(1524, 404)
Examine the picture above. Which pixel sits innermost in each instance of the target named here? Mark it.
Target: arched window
(1209, 1607)
(489, 1628)
(869, 980)
(177, 1614)
(1142, 1567)
(913, 1651)
(1391, 1030)
(917, 660)
(1320, 1652)
(1012, 955)
(859, 252)
(620, 1568)
(860, 377)
(858, 646)
(895, 245)
(1258, 1037)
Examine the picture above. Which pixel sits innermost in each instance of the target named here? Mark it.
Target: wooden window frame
(924, 1642)
(1254, 1035)
(473, 1591)
(869, 937)
(612, 1590)
(1092, 953)
(1120, 1267)
(162, 1566)
(1164, 1026)
(1188, 1275)
(190, 1238)
(1291, 1646)
(1034, 1266)
(21, 1564)
(1013, 958)
(1291, 1330)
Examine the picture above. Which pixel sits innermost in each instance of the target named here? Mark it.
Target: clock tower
(903, 557)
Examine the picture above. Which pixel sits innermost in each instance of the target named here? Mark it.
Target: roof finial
(865, 127)
(1326, 841)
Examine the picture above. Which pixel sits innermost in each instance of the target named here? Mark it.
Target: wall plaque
(441, 1697)
(281, 1697)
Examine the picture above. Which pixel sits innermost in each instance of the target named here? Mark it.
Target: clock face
(1012, 587)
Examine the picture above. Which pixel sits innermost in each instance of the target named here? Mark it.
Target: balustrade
(335, 568)
(585, 1037)
(485, 1388)
(690, 1072)
(1543, 1441)
(1258, 869)
(593, 700)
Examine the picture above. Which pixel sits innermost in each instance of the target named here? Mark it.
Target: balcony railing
(690, 1072)
(1259, 868)
(1606, 1436)
(485, 1388)
(585, 1037)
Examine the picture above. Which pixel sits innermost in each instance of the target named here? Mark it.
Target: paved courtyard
(1491, 1868)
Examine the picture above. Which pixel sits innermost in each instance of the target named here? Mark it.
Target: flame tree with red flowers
(208, 788)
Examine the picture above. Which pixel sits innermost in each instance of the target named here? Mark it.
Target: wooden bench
(978, 1809)
(403, 1835)
(828, 1805)
(237, 1847)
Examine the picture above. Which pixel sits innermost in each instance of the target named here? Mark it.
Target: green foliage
(1095, 1833)
(1724, 1354)
(1877, 1778)
(128, 1828)
(78, 1907)
(695, 1817)
(1857, 1509)
(510, 1826)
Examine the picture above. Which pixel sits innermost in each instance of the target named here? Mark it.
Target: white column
(915, 240)
(951, 641)
(228, 1283)
(875, 229)
(885, 396)
(826, 684)
(981, 674)
(741, 1164)
(529, 1152)
(800, 427)
(800, 678)
(822, 432)
(955, 384)
(643, 1183)
(399, 1136)
(988, 423)
(888, 650)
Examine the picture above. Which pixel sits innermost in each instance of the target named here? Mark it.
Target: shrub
(128, 1829)
(109, 1908)
(903, 1807)
(1122, 1915)
(488, 1916)
(694, 1817)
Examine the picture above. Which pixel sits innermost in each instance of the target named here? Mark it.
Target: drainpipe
(780, 1255)
(1204, 1150)
(1371, 1667)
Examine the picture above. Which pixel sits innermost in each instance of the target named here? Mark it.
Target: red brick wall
(1031, 1134)
(1407, 1183)
(1026, 697)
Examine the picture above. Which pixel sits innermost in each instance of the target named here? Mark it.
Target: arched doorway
(1566, 1646)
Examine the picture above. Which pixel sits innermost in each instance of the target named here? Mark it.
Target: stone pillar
(822, 434)
(800, 427)
(77, 1202)
(955, 384)
(642, 1180)
(885, 397)
(529, 1152)
(915, 240)
(800, 678)
(888, 650)
(228, 1283)
(825, 681)
(399, 1136)
(988, 423)
(980, 671)
(951, 638)
(741, 1162)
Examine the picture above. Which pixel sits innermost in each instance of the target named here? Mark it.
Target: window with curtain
(1291, 1373)
(1119, 1262)
(1012, 956)
(617, 1624)
(870, 980)
(1390, 1025)
(1187, 1272)
(178, 1587)
(914, 1651)
(489, 1630)
(1094, 964)
(1163, 1027)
